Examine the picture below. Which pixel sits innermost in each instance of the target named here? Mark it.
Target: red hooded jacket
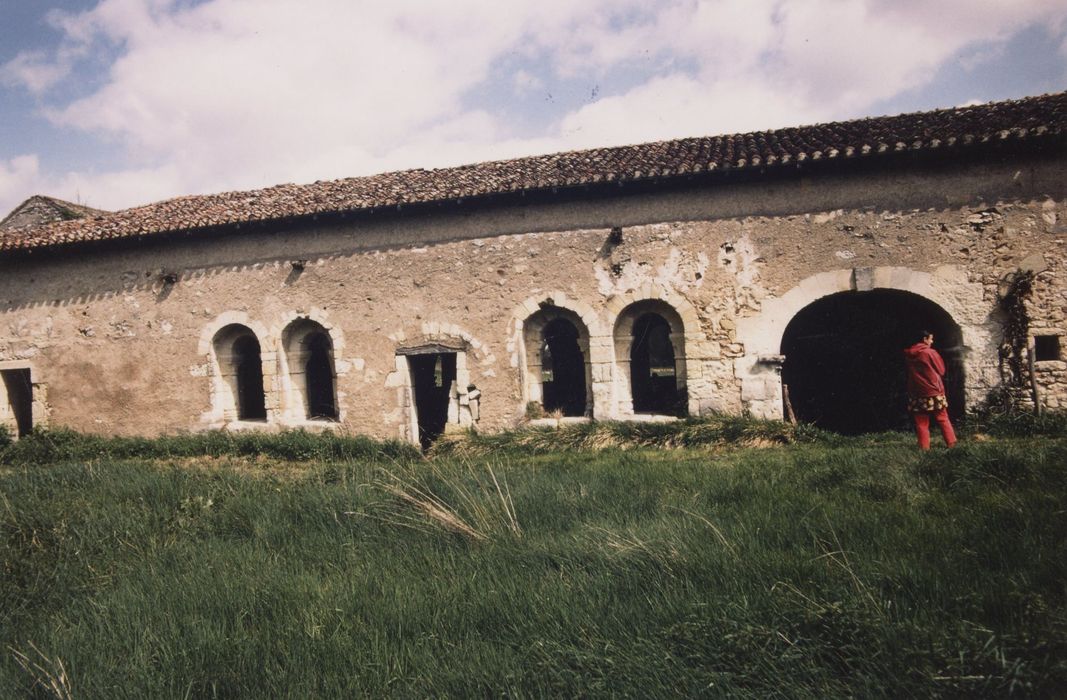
(925, 369)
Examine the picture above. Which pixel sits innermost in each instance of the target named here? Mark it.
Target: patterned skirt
(927, 404)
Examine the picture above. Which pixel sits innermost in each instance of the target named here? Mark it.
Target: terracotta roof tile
(964, 126)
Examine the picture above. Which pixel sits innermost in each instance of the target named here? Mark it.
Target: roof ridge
(863, 136)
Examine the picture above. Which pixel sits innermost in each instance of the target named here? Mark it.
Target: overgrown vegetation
(810, 568)
(709, 431)
(46, 446)
(1018, 287)
(1000, 417)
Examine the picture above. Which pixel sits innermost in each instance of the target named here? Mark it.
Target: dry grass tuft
(49, 675)
(476, 503)
(436, 510)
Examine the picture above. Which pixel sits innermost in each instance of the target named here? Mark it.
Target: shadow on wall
(844, 364)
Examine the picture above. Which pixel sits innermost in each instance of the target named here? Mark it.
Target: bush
(5, 437)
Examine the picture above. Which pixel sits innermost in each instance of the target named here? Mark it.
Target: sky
(116, 103)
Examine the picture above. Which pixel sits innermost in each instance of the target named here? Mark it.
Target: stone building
(764, 272)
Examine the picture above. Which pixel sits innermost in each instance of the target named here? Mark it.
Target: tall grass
(708, 431)
(807, 570)
(47, 446)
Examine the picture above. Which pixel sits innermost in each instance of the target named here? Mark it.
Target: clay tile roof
(39, 210)
(1014, 120)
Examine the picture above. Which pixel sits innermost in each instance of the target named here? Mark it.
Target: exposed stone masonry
(133, 339)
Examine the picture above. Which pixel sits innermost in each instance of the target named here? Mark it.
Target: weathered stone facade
(124, 339)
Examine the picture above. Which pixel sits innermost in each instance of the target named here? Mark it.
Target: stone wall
(121, 340)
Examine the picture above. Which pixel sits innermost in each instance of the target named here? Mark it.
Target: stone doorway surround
(31, 408)
(464, 408)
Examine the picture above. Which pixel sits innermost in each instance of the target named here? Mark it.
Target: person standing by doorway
(926, 390)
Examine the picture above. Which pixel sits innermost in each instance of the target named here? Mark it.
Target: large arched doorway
(844, 367)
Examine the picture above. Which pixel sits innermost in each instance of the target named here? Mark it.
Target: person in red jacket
(926, 391)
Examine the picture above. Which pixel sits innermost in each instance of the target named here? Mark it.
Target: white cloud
(525, 82)
(18, 175)
(34, 71)
(230, 94)
(678, 106)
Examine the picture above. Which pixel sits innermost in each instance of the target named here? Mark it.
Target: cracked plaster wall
(118, 350)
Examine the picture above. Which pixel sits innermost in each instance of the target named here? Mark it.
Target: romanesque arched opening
(650, 342)
(844, 368)
(240, 364)
(562, 369)
(653, 378)
(249, 370)
(310, 392)
(557, 361)
(318, 383)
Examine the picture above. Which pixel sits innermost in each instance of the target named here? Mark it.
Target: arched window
(562, 369)
(650, 355)
(653, 377)
(318, 376)
(558, 372)
(240, 365)
(310, 393)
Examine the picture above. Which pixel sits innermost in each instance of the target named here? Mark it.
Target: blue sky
(116, 103)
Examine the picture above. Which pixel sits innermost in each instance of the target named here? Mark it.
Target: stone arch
(843, 359)
(687, 340)
(291, 408)
(224, 392)
(947, 286)
(529, 318)
(308, 376)
(551, 352)
(238, 359)
(651, 380)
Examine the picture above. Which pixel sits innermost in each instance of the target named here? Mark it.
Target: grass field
(811, 568)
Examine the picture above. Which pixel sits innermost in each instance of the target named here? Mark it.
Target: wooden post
(790, 416)
(1033, 378)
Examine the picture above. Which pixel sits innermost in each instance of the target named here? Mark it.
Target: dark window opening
(248, 366)
(318, 377)
(19, 392)
(562, 369)
(844, 364)
(1046, 347)
(432, 377)
(653, 377)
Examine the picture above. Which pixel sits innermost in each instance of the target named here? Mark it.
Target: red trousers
(922, 427)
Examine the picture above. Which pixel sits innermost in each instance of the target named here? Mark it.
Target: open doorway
(844, 366)
(18, 389)
(433, 375)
